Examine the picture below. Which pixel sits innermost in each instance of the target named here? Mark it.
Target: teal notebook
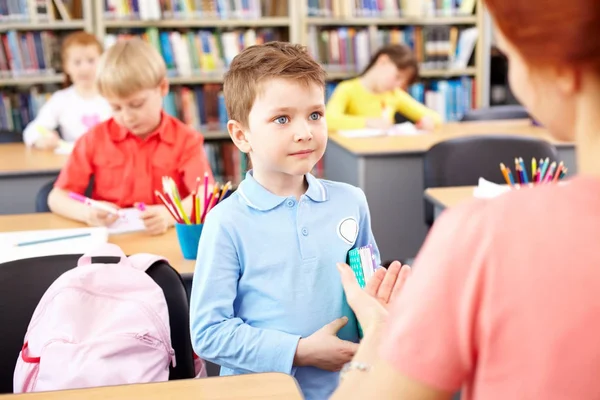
(362, 262)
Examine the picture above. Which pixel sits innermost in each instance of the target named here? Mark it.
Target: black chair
(23, 283)
(212, 369)
(462, 161)
(496, 113)
(41, 198)
(8, 136)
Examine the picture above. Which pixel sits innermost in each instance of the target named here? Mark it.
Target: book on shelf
(24, 54)
(33, 11)
(389, 8)
(147, 10)
(438, 47)
(190, 53)
(19, 108)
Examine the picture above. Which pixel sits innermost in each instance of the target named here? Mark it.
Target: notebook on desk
(28, 244)
(129, 221)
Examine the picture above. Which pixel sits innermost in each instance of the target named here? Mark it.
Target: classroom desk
(23, 171)
(164, 245)
(445, 197)
(268, 386)
(389, 170)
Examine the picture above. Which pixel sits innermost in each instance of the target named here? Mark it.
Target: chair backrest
(496, 113)
(462, 161)
(24, 282)
(8, 136)
(41, 198)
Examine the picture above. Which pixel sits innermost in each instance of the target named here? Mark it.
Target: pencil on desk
(54, 239)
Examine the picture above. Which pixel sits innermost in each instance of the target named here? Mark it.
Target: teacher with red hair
(504, 298)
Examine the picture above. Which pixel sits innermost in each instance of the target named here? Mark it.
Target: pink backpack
(98, 325)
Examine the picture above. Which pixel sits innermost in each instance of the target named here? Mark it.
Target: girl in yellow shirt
(372, 99)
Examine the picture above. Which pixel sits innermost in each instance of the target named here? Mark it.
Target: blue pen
(54, 239)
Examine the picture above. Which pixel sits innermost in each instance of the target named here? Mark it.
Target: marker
(93, 203)
(141, 207)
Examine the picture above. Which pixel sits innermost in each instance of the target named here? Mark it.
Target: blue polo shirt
(266, 276)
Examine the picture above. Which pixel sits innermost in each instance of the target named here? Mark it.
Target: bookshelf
(27, 21)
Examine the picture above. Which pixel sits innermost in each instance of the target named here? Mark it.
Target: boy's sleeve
(75, 175)
(46, 118)
(412, 109)
(194, 162)
(365, 234)
(217, 334)
(337, 118)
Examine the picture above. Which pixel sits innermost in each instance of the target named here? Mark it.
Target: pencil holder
(188, 237)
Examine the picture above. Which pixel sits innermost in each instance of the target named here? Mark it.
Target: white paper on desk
(130, 221)
(405, 128)
(64, 148)
(9, 251)
(487, 190)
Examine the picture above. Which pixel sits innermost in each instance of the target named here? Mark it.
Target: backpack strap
(106, 251)
(143, 261)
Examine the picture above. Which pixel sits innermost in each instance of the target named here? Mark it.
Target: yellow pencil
(533, 169)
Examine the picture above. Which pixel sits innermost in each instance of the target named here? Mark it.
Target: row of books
(40, 10)
(29, 53)
(450, 98)
(226, 161)
(199, 106)
(388, 8)
(17, 109)
(436, 47)
(193, 52)
(193, 9)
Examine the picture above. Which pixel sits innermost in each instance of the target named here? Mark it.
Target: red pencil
(168, 206)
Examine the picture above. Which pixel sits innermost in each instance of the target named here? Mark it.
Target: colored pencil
(559, 169)
(505, 174)
(168, 206)
(54, 239)
(550, 172)
(510, 176)
(533, 169)
(524, 169)
(205, 200)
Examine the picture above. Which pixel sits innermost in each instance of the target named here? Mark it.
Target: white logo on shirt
(348, 230)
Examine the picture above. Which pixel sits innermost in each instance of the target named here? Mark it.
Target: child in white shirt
(76, 108)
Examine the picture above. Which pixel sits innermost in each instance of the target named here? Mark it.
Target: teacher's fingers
(401, 281)
(389, 281)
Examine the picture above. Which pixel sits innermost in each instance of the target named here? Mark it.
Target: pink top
(505, 298)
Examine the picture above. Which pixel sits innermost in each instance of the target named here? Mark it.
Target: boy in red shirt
(130, 153)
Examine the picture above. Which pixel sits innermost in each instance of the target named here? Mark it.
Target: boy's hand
(323, 349)
(47, 141)
(156, 219)
(378, 123)
(97, 217)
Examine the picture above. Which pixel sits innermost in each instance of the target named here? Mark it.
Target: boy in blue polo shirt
(267, 296)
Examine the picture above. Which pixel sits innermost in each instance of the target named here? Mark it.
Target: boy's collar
(166, 135)
(259, 198)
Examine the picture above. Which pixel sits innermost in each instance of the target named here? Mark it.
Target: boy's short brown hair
(258, 63)
(129, 66)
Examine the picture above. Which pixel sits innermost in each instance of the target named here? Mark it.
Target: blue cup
(189, 236)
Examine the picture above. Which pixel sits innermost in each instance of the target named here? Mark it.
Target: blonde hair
(129, 66)
(266, 61)
(79, 38)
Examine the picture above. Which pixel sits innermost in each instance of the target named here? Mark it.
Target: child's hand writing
(426, 124)
(48, 141)
(97, 217)
(323, 349)
(156, 219)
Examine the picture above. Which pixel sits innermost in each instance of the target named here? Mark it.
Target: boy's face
(287, 132)
(139, 112)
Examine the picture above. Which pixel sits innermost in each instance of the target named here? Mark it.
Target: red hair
(79, 38)
(551, 31)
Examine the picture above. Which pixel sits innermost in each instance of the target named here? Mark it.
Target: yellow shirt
(351, 104)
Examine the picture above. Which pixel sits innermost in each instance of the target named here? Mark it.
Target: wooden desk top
(18, 159)
(422, 142)
(165, 245)
(268, 386)
(449, 196)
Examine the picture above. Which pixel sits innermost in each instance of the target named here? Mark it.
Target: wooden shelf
(334, 75)
(208, 77)
(200, 23)
(364, 21)
(32, 80)
(43, 26)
